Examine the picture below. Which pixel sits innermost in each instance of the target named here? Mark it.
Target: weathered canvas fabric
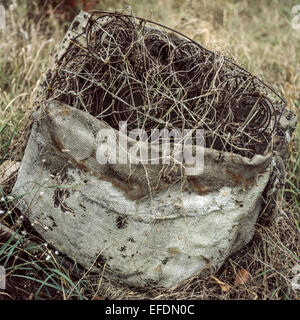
(89, 212)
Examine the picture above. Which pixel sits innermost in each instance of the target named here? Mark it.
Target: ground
(260, 36)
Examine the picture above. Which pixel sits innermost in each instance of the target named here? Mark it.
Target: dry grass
(256, 33)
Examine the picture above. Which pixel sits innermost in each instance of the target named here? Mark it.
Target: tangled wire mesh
(124, 68)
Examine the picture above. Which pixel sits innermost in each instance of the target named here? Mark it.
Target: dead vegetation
(35, 271)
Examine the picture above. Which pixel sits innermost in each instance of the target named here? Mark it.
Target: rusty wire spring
(120, 68)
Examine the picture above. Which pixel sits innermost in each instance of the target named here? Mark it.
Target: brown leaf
(242, 277)
(224, 286)
(98, 298)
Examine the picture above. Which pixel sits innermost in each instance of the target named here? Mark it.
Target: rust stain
(133, 191)
(130, 190)
(58, 144)
(240, 180)
(66, 112)
(80, 164)
(199, 188)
